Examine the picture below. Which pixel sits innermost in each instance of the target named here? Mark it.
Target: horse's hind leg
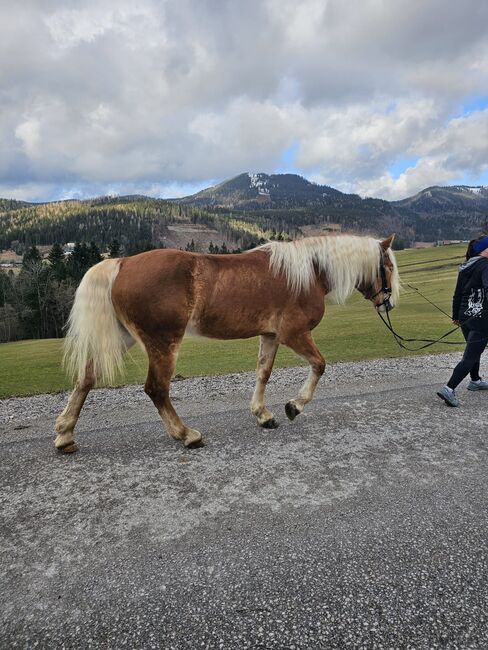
(267, 352)
(304, 346)
(66, 422)
(162, 362)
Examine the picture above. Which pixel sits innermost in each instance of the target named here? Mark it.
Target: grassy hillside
(347, 333)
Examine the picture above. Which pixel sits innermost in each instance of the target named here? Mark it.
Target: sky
(166, 97)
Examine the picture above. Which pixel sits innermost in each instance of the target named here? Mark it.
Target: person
(470, 311)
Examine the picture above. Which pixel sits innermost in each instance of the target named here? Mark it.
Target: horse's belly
(230, 327)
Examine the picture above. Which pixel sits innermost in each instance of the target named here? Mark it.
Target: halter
(385, 289)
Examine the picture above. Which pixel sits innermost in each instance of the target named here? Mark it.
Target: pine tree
(94, 254)
(114, 249)
(57, 261)
(78, 262)
(31, 257)
(6, 288)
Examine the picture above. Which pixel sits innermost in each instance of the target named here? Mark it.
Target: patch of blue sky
(287, 164)
(400, 165)
(472, 180)
(474, 104)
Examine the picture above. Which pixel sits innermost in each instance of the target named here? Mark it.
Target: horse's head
(383, 290)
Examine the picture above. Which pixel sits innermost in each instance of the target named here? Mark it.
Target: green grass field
(347, 333)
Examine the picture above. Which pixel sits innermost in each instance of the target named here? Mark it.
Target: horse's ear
(386, 243)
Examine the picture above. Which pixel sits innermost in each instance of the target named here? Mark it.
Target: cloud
(446, 154)
(108, 94)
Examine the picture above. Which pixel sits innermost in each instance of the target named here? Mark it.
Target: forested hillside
(240, 213)
(456, 212)
(133, 221)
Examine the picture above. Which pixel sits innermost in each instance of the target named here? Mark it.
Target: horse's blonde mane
(346, 260)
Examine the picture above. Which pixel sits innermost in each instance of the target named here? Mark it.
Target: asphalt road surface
(363, 524)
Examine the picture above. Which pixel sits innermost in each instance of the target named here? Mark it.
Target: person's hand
(455, 322)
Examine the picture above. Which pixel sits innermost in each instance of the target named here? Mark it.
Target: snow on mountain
(260, 182)
(475, 190)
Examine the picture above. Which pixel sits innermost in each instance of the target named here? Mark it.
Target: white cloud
(28, 133)
(164, 94)
(446, 153)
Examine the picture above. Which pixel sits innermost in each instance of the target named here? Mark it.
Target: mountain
(257, 191)
(446, 200)
(276, 191)
(242, 211)
(456, 212)
(286, 202)
(11, 204)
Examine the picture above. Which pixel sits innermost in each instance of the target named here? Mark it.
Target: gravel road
(362, 524)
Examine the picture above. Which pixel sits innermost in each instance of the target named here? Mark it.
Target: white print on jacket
(475, 303)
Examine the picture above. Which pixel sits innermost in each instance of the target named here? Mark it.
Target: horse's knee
(263, 375)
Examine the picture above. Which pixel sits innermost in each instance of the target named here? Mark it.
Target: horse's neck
(331, 281)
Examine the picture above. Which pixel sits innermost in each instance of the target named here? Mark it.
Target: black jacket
(470, 301)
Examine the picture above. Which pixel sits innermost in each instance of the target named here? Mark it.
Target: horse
(276, 291)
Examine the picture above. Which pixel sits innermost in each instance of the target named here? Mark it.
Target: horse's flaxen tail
(95, 335)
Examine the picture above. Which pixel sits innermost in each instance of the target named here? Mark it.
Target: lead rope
(428, 342)
(429, 301)
(401, 340)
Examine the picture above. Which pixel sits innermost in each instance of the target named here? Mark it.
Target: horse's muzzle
(385, 306)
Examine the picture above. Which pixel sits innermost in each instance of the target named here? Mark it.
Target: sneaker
(449, 396)
(478, 385)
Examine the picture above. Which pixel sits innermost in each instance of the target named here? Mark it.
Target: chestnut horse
(275, 291)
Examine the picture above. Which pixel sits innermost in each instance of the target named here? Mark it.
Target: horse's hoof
(195, 444)
(291, 411)
(69, 448)
(270, 424)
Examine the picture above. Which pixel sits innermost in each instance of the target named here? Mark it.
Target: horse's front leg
(304, 345)
(162, 362)
(268, 346)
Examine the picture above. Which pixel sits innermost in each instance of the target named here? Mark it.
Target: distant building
(9, 259)
(332, 227)
(448, 242)
(424, 244)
